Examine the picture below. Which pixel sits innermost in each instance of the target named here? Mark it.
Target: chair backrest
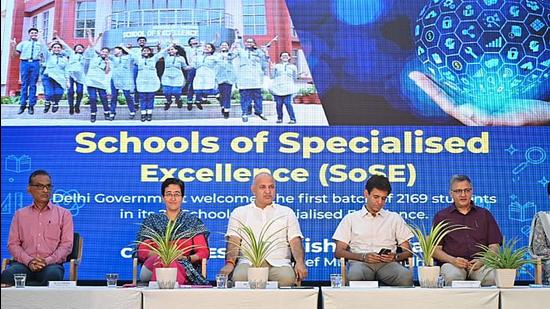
(76, 254)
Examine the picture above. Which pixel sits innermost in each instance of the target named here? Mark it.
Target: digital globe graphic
(485, 48)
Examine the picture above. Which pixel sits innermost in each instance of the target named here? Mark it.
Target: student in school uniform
(148, 82)
(77, 75)
(122, 78)
(29, 52)
(55, 77)
(172, 78)
(283, 88)
(97, 78)
(205, 77)
(225, 77)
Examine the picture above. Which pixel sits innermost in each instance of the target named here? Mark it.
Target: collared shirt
(47, 234)
(283, 76)
(483, 229)
(285, 224)
(29, 49)
(367, 233)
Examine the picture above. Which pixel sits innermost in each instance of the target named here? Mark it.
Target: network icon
(485, 48)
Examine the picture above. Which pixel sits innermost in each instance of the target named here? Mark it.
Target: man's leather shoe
(21, 109)
(31, 110)
(55, 108)
(167, 105)
(143, 117)
(107, 116)
(92, 118)
(189, 107)
(47, 107)
(179, 103)
(71, 110)
(199, 105)
(149, 117)
(77, 109)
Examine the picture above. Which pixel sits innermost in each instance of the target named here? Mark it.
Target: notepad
(363, 284)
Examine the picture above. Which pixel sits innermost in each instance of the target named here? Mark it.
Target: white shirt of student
(255, 217)
(365, 233)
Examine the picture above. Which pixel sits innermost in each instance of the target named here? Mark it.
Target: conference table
(524, 297)
(411, 298)
(68, 298)
(332, 298)
(231, 298)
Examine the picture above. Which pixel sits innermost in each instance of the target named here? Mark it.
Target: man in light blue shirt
(29, 53)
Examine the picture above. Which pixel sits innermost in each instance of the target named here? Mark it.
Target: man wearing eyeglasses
(458, 249)
(41, 236)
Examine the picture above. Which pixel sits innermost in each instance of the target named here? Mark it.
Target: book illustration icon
(18, 164)
(521, 212)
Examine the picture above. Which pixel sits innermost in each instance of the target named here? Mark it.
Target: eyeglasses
(42, 187)
(460, 191)
(172, 195)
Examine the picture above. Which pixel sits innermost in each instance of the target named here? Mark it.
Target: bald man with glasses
(457, 252)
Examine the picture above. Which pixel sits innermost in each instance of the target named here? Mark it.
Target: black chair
(73, 258)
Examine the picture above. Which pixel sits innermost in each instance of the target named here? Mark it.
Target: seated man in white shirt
(256, 215)
(369, 238)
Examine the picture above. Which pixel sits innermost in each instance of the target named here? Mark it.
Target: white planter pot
(428, 276)
(257, 277)
(166, 277)
(505, 278)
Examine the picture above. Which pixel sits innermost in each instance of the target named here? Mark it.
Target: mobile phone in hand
(384, 251)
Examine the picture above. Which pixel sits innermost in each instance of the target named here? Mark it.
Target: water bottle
(440, 281)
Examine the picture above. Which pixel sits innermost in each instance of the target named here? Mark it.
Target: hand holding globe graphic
(490, 53)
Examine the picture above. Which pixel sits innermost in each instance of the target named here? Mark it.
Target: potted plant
(307, 95)
(505, 261)
(168, 250)
(256, 248)
(428, 274)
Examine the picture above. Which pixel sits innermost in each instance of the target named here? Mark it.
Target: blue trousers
(79, 92)
(93, 93)
(29, 77)
(171, 91)
(285, 100)
(225, 95)
(136, 94)
(249, 95)
(203, 93)
(52, 272)
(188, 87)
(147, 100)
(114, 99)
(52, 89)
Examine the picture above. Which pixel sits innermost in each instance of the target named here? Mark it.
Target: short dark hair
(56, 43)
(172, 181)
(378, 182)
(106, 48)
(284, 52)
(74, 48)
(141, 37)
(32, 29)
(189, 40)
(37, 173)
